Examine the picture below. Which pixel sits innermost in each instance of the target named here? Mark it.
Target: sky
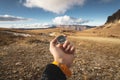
(36, 13)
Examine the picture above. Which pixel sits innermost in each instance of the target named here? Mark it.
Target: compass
(61, 39)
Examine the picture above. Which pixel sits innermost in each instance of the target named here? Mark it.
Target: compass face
(61, 39)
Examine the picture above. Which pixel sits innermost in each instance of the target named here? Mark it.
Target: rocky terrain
(24, 58)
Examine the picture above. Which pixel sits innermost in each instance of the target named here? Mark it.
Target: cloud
(25, 25)
(67, 20)
(55, 6)
(12, 18)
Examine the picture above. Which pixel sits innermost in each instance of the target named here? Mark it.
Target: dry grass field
(25, 57)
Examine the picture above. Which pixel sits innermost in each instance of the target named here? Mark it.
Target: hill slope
(110, 29)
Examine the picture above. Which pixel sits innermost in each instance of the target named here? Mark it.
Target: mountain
(76, 27)
(113, 18)
(111, 28)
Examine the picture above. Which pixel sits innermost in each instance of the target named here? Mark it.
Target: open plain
(25, 53)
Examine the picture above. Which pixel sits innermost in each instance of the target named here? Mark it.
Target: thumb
(53, 42)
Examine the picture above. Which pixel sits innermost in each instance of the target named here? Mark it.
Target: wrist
(62, 61)
(63, 67)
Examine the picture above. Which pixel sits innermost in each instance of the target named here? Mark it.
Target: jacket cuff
(64, 68)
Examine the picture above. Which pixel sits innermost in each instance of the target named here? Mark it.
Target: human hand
(62, 53)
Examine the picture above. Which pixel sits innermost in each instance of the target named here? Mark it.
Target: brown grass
(97, 58)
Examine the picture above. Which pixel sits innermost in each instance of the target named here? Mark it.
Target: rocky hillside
(110, 29)
(113, 18)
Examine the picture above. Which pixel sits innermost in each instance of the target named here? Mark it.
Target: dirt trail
(99, 39)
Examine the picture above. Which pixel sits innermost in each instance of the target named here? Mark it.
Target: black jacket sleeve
(53, 72)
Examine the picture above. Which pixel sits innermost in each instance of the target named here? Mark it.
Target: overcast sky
(42, 12)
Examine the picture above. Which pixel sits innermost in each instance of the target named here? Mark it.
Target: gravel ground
(25, 59)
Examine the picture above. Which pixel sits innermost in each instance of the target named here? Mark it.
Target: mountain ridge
(115, 17)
